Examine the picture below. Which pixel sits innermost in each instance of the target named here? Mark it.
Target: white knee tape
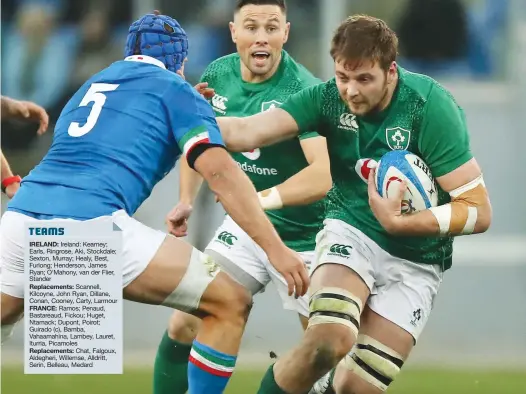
(201, 270)
(335, 305)
(374, 362)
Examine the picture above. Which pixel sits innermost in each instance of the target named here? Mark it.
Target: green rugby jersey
(269, 166)
(422, 118)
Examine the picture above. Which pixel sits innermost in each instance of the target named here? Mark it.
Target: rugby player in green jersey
(377, 272)
(292, 177)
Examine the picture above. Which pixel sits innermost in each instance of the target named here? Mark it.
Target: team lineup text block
(73, 298)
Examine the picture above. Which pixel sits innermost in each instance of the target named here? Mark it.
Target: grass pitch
(138, 381)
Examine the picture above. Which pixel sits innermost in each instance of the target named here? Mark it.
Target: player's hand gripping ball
(399, 166)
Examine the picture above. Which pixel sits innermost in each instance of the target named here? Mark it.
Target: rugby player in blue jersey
(116, 138)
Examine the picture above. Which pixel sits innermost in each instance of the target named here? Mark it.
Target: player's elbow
(217, 167)
(485, 214)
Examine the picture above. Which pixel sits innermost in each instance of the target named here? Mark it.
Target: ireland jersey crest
(398, 138)
(269, 105)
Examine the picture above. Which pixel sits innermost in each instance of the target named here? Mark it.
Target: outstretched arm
(251, 132)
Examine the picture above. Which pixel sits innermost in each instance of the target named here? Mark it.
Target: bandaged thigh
(374, 362)
(201, 270)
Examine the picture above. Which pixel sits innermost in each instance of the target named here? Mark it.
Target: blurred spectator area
(448, 38)
(50, 47)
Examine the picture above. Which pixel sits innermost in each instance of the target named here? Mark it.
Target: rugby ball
(402, 166)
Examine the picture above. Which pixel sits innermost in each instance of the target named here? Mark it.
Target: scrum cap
(160, 37)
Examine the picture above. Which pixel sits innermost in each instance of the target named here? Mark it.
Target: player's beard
(379, 104)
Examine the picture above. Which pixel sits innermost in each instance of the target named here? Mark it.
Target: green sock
(170, 373)
(268, 383)
(330, 389)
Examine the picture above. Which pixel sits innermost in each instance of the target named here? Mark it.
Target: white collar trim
(145, 59)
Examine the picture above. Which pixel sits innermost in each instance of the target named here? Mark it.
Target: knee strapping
(374, 362)
(201, 270)
(334, 305)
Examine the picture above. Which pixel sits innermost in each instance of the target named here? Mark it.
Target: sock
(268, 383)
(209, 370)
(325, 384)
(330, 386)
(170, 373)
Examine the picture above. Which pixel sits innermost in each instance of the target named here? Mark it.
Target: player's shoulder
(296, 71)
(295, 76)
(222, 67)
(425, 88)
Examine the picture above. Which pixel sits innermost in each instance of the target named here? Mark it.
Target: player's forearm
(190, 182)
(305, 187)
(256, 131)
(238, 196)
(235, 135)
(425, 223)
(6, 170)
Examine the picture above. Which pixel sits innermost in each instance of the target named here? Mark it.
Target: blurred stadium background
(475, 341)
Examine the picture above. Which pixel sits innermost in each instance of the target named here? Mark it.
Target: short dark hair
(280, 3)
(364, 38)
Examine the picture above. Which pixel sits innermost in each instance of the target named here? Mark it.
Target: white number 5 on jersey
(94, 94)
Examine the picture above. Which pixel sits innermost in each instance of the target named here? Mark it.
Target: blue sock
(208, 370)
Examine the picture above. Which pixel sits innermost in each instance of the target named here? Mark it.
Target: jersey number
(94, 94)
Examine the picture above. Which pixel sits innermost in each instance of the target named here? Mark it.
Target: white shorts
(246, 262)
(402, 292)
(139, 245)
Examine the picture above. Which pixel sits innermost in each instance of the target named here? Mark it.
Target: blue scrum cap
(160, 37)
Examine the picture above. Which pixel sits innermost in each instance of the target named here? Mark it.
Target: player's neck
(249, 77)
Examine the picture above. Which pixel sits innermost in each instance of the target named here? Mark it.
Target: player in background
(120, 134)
(377, 271)
(291, 177)
(20, 110)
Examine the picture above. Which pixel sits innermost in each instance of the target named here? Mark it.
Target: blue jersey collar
(145, 59)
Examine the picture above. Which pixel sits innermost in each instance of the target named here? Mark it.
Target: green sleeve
(444, 140)
(205, 77)
(308, 134)
(305, 107)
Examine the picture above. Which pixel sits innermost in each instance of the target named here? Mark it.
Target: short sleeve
(192, 120)
(308, 134)
(205, 77)
(305, 107)
(444, 140)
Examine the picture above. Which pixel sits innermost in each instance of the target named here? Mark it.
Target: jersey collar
(145, 59)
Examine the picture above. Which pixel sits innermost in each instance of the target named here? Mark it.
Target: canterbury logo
(340, 249)
(218, 102)
(227, 238)
(348, 122)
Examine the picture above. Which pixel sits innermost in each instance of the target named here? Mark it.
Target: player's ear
(232, 28)
(287, 30)
(391, 73)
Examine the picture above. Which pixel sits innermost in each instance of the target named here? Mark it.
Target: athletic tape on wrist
(270, 199)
